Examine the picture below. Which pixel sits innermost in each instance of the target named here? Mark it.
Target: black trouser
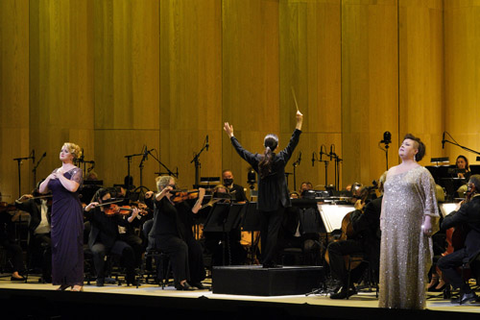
(16, 255)
(270, 224)
(448, 265)
(186, 257)
(336, 252)
(136, 243)
(119, 248)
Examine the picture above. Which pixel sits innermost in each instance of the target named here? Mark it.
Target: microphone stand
(169, 172)
(19, 163)
(460, 146)
(129, 160)
(385, 149)
(337, 166)
(35, 170)
(295, 164)
(195, 160)
(325, 162)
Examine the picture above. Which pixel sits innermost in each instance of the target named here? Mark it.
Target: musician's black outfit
(14, 250)
(104, 239)
(366, 242)
(172, 233)
(40, 253)
(468, 216)
(238, 192)
(273, 195)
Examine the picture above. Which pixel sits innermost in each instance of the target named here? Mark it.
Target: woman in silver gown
(408, 220)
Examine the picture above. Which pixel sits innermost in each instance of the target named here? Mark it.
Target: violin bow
(111, 202)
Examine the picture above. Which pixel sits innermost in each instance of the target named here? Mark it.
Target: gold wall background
(118, 76)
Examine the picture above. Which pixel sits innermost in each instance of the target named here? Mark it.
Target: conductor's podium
(258, 281)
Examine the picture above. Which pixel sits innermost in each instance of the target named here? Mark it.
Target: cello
(348, 233)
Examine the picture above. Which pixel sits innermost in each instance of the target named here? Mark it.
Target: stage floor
(34, 300)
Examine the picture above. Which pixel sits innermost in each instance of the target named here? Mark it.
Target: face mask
(227, 182)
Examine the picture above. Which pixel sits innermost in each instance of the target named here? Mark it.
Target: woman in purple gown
(67, 220)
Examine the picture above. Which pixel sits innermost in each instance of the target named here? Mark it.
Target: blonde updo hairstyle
(163, 181)
(74, 149)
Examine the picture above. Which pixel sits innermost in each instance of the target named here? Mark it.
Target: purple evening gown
(67, 232)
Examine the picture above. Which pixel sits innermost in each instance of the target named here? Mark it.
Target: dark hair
(265, 165)
(466, 161)
(101, 193)
(421, 146)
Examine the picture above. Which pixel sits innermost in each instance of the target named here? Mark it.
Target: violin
(114, 209)
(111, 208)
(183, 195)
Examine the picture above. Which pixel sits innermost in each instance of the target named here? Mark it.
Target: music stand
(251, 222)
(223, 218)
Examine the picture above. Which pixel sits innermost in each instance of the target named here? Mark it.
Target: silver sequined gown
(406, 253)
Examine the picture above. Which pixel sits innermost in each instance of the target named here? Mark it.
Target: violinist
(104, 239)
(39, 208)
(172, 233)
(467, 214)
(135, 221)
(364, 239)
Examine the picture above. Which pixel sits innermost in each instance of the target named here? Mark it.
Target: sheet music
(447, 208)
(332, 215)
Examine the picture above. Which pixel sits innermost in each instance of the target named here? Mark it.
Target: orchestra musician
(362, 238)
(295, 235)
(463, 173)
(13, 249)
(172, 233)
(462, 164)
(104, 238)
(273, 194)
(467, 214)
(236, 190)
(39, 208)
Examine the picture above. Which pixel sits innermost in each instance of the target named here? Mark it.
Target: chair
(368, 277)
(159, 257)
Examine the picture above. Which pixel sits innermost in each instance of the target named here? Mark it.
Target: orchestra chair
(368, 276)
(158, 257)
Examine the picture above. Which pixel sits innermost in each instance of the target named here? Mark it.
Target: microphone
(145, 154)
(443, 140)
(207, 144)
(321, 152)
(387, 137)
(331, 152)
(299, 157)
(313, 159)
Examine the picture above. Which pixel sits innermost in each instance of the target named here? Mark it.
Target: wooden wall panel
(250, 74)
(127, 96)
(462, 74)
(117, 75)
(61, 77)
(421, 65)
(369, 87)
(191, 87)
(310, 71)
(14, 91)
